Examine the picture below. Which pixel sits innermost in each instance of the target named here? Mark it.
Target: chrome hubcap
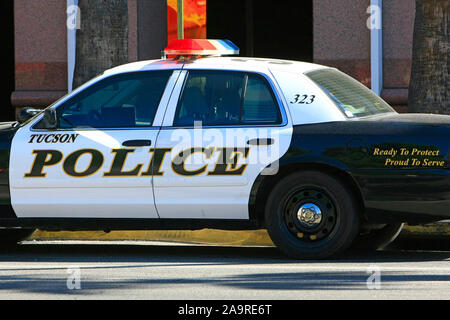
(309, 215)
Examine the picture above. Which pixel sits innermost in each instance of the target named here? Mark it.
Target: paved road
(155, 270)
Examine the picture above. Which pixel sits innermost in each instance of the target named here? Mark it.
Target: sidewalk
(219, 237)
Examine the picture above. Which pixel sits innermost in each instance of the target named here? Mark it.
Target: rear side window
(353, 98)
(226, 98)
(259, 104)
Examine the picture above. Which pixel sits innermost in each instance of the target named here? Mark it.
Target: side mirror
(26, 114)
(50, 119)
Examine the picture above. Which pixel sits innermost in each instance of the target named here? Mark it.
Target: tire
(312, 215)
(379, 238)
(13, 236)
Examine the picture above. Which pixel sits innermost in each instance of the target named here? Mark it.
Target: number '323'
(303, 99)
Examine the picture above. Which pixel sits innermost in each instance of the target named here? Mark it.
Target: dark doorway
(264, 28)
(7, 40)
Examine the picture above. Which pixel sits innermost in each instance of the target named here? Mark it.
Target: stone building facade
(335, 30)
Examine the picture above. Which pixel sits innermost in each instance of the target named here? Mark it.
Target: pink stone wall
(40, 45)
(341, 37)
(342, 40)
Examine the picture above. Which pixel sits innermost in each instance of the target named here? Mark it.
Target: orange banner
(194, 19)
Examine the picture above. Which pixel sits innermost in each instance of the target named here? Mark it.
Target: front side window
(226, 98)
(353, 98)
(124, 101)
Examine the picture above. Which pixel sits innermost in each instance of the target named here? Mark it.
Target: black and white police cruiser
(203, 139)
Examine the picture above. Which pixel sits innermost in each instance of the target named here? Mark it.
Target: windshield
(353, 98)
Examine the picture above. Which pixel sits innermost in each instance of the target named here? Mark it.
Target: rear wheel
(311, 215)
(13, 236)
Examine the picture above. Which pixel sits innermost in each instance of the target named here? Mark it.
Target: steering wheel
(94, 117)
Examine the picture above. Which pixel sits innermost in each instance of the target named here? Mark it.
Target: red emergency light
(201, 47)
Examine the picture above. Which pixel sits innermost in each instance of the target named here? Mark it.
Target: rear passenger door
(96, 162)
(221, 130)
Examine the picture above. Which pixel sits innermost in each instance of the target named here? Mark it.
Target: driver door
(96, 163)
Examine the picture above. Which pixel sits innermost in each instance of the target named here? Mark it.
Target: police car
(205, 139)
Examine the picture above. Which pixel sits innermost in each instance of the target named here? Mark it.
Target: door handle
(261, 142)
(137, 143)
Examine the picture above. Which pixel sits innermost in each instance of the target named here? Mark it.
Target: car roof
(218, 63)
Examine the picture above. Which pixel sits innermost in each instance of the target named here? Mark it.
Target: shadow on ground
(54, 283)
(404, 249)
(134, 259)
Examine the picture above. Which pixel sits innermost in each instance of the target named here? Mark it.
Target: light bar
(201, 47)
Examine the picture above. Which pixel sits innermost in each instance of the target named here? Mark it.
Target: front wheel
(13, 236)
(311, 215)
